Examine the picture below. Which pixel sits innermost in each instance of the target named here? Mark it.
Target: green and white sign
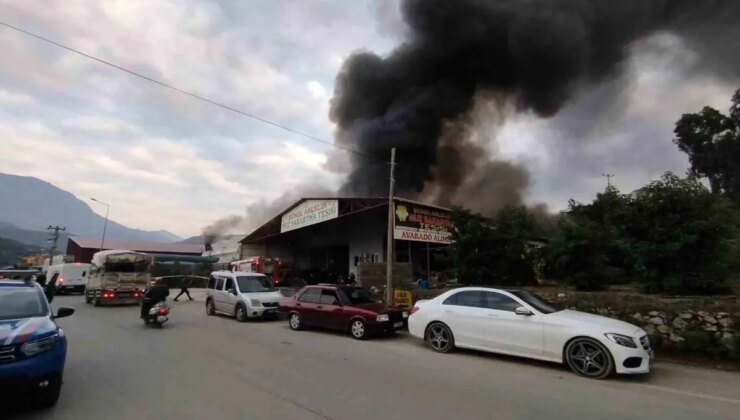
(309, 212)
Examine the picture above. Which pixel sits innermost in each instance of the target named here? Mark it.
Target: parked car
(33, 348)
(343, 308)
(520, 323)
(240, 294)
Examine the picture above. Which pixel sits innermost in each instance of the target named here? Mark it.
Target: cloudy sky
(166, 161)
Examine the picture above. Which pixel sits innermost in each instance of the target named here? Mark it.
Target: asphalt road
(214, 367)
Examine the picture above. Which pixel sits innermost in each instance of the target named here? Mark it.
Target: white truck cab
(241, 294)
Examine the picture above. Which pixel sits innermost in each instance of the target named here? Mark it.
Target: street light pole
(105, 226)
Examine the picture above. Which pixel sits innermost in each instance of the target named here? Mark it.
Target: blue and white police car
(32, 346)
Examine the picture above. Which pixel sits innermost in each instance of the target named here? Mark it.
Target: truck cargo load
(118, 277)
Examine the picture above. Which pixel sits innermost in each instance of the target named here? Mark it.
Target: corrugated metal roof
(272, 226)
(140, 246)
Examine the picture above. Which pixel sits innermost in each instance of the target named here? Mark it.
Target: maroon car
(344, 308)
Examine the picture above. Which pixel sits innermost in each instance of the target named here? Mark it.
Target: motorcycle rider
(157, 293)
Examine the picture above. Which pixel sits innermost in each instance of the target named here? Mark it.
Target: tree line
(673, 236)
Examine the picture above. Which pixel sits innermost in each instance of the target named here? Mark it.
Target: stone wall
(706, 326)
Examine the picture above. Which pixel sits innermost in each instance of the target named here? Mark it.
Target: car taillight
(109, 295)
(61, 280)
(414, 309)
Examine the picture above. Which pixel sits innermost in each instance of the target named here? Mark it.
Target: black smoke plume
(533, 54)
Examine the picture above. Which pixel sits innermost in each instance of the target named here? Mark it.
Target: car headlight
(622, 340)
(37, 347)
(255, 302)
(382, 318)
(405, 314)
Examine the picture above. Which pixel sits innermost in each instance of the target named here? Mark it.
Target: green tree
(577, 254)
(712, 142)
(684, 237)
(591, 248)
(493, 251)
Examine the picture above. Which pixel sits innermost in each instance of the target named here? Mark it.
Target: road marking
(690, 393)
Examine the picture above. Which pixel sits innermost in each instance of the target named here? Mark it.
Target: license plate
(270, 311)
(398, 325)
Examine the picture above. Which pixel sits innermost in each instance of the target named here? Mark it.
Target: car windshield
(21, 302)
(356, 296)
(536, 301)
(254, 284)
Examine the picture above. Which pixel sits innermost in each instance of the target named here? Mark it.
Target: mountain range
(28, 205)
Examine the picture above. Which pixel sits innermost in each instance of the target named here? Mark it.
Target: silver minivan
(241, 294)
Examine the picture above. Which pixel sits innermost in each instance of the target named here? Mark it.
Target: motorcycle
(157, 314)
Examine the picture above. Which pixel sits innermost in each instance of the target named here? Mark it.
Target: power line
(191, 94)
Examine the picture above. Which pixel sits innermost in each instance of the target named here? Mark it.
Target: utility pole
(54, 238)
(389, 245)
(608, 177)
(105, 226)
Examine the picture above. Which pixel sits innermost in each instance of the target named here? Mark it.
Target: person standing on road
(184, 284)
(51, 288)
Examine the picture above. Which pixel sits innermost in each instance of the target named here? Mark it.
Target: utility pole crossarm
(608, 177)
(54, 238)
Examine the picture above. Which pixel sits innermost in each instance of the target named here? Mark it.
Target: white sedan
(520, 323)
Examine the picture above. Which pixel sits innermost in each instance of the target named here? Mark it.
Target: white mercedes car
(520, 323)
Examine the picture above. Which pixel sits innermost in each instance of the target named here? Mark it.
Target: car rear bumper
(387, 327)
(70, 288)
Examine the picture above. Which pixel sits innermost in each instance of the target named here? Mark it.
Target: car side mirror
(523, 311)
(64, 312)
(232, 291)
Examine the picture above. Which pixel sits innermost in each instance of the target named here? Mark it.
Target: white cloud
(97, 123)
(8, 98)
(163, 159)
(316, 89)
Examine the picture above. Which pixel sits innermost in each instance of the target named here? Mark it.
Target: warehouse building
(82, 249)
(347, 236)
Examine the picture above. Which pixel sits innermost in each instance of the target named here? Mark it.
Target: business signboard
(309, 212)
(416, 222)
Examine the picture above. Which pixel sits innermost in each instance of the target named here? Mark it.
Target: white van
(69, 277)
(241, 294)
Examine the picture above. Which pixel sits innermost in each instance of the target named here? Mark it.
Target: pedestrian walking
(184, 284)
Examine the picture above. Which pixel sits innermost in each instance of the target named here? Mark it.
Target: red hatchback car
(344, 308)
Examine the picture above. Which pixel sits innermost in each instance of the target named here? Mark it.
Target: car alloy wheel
(295, 322)
(587, 357)
(439, 338)
(358, 329)
(210, 308)
(241, 313)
